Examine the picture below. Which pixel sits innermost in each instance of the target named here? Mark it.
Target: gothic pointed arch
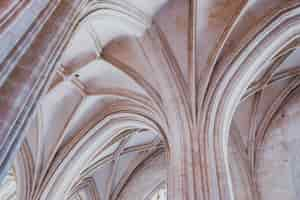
(96, 93)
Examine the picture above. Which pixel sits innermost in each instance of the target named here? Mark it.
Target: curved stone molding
(86, 189)
(119, 85)
(9, 10)
(234, 83)
(23, 76)
(99, 97)
(159, 192)
(24, 168)
(101, 22)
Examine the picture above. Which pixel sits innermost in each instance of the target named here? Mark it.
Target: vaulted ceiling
(191, 89)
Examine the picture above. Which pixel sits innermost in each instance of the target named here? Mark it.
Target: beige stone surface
(116, 99)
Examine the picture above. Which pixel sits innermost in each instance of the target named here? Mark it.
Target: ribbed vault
(191, 89)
